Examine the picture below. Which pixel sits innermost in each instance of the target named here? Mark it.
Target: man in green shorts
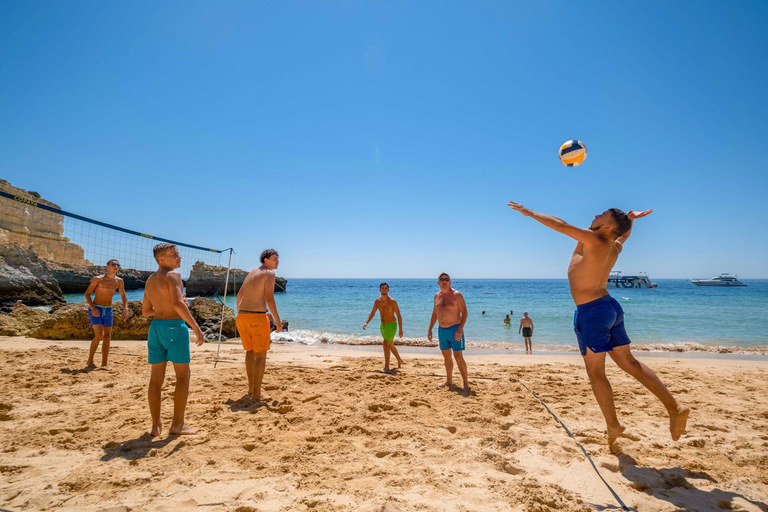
(388, 308)
(168, 338)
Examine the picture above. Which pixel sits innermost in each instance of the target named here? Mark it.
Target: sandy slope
(341, 436)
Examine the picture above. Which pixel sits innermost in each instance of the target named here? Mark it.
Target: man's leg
(678, 415)
(260, 363)
(448, 368)
(107, 336)
(154, 396)
(180, 395)
(396, 353)
(595, 363)
(250, 369)
(386, 355)
(97, 334)
(462, 364)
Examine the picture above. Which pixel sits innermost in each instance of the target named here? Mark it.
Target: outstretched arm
(585, 236)
(632, 215)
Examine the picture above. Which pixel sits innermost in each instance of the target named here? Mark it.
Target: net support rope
(223, 307)
(586, 454)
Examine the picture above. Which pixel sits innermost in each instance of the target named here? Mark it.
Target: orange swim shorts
(254, 331)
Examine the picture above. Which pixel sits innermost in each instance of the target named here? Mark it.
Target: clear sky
(384, 138)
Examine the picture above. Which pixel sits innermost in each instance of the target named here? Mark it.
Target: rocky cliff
(207, 280)
(207, 314)
(22, 321)
(28, 226)
(76, 278)
(23, 275)
(70, 322)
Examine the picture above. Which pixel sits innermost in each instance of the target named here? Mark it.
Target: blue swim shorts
(104, 317)
(599, 325)
(447, 337)
(168, 340)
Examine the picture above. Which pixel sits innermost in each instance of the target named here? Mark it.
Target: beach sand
(341, 436)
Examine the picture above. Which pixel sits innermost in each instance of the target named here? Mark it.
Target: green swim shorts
(388, 331)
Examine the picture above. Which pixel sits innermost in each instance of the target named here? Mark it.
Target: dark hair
(444, 274)
(383, 284)
(110, 261)
(267, 253)
(160, 249)
(622, 220)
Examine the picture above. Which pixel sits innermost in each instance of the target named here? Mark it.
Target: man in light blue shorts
(450, 311)
(168, 338)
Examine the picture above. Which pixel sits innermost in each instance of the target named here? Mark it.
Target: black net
(66, 238)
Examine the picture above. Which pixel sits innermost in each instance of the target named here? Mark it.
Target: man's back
(158, 291)
(526, 321)
(253, 294)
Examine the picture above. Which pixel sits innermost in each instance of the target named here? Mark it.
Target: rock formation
(208, 279)
(76, 278)
(207, 314)
(70, 322)
(28, 226)
(22, 321)
(23, 275)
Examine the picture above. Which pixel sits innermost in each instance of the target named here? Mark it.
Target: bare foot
(183, 431)
(400, 363)
(106, 367)
(90, 366)
(387, 369)
(156, 430)
(614, 433)
(446, 385)
(262, 398)
(677, 422)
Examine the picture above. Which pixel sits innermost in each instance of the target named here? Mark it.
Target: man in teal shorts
(450, 311)
(168, 338)
(388, 308)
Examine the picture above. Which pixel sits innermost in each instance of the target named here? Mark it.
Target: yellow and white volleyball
(573, 153)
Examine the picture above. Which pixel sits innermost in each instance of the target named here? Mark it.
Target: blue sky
(383, 139)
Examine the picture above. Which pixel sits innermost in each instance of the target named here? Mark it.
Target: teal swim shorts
(168, 340)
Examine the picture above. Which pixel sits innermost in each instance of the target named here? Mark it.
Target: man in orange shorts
(255, 295)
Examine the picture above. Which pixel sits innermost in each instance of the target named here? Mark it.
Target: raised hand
(636, 215)
(520, 208)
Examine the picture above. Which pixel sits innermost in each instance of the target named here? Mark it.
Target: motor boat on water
(721, 280)
(641, 280)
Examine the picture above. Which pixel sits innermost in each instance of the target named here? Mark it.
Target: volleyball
(573, 153)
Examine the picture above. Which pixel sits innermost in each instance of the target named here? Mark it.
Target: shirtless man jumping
(168, 338)
(388, 308)
(100, 310)
(599, 319)
(450, 311)
(258, 292)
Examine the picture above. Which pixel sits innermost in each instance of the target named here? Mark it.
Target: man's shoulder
(456, 292)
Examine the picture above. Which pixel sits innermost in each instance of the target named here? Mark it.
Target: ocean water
(673, 316)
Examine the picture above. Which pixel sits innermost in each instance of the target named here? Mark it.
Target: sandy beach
(341, 435)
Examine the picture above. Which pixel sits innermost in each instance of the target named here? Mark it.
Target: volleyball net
(66, 238)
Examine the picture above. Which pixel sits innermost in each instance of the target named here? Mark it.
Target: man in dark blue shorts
(450, 311)
(599, 319)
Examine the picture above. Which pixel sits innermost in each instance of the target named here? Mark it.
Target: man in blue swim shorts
(599, 319)
(104, 287)
(450, 312)
(168, 338)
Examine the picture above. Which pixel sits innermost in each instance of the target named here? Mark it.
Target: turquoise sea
(675, 316)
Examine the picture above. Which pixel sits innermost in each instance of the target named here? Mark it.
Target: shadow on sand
(672, 485)
(139, 448)
(77, 371)
(247, 404)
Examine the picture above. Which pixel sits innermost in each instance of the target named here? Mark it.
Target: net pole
(223, 305)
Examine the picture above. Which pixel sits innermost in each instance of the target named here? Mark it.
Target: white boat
(721, 280)
(641, 280)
